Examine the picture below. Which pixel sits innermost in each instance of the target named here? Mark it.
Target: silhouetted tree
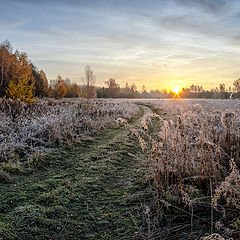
(113, 89)
(236, 85)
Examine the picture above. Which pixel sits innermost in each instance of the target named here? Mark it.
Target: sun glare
(176, 90)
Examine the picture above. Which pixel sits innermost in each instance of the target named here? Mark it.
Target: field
(194, 163)
(28, 129)
(119, 169)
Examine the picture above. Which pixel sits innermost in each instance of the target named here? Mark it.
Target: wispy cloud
(155, 42)
(12, 24)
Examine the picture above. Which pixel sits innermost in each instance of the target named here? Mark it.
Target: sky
(156, 43)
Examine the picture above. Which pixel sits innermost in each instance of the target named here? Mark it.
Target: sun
(176, 90)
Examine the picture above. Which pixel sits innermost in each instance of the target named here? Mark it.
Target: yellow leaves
(61, 90)
(23, 90)
(16, 73)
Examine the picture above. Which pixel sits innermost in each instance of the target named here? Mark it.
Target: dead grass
(195, 164)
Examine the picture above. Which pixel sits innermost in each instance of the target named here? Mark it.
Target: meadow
(30, 129)
(120, 169)
(194, 161)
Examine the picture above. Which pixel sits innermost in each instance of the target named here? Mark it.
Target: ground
(95, 190)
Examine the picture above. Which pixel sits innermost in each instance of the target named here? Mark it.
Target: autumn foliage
(23, 90)
(18, 77)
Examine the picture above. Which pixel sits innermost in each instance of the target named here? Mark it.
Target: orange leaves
(16, 74)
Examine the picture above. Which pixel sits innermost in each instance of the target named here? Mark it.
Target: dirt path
(94, 191)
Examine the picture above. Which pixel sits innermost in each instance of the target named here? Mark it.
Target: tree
(127, 91)
(23, 90)
(5, 64)
(89, 92)
(60, 88)
(133, 87)
(111, 83)
(77, 92)
(113, 88)
(134, 92)
(51, 92)
(236, 85)
(21, 83)
(41, 82)
(73, 90)
(222, 87)
(14, 68)
(144, 90)
(89, 80)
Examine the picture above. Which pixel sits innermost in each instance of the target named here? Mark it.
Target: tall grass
(48, 123)
(195, 160)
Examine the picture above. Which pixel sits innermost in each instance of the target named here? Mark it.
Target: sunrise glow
(176, 90)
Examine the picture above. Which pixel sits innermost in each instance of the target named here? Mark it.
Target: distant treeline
(220, 92)
(20, 79)
(113, 90)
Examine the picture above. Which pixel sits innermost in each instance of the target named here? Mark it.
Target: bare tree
(89, 80)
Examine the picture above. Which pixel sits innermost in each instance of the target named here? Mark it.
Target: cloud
(212, 6)
(16, 24)
(142, 40)
(12, 24)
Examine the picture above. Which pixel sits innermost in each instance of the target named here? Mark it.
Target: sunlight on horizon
(176, 90)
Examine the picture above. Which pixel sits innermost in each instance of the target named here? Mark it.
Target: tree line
(113, 90)
(221, 92)
(59, 87)
(21, 79)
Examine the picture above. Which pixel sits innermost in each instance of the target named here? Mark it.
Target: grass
(88, 192)
(183, 206)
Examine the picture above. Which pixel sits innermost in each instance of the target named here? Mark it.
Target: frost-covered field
(195, 160)
(47, 123)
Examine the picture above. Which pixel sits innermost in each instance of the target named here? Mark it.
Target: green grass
(88, 192)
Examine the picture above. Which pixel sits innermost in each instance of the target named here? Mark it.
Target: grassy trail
(93, 191)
